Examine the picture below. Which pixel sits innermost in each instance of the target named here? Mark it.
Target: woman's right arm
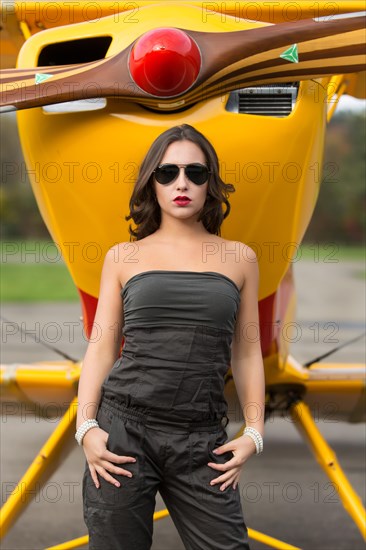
(101, 354)
(104, 342)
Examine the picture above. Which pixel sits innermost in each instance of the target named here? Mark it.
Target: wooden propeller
(229, 60)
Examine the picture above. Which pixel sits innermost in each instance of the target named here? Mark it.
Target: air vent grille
(277, 100)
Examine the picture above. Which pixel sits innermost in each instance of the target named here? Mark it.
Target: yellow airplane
(95, 83)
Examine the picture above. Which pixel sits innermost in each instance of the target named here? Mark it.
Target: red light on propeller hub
(165, 62)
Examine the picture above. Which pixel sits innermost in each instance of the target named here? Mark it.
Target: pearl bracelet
(256, 442)
(256, 437)
(85, 427)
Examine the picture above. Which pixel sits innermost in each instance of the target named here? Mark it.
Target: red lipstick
(182, 200)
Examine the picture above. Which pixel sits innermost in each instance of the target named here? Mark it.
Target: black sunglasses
(195, 172)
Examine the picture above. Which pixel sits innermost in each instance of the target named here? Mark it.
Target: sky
(351, 103)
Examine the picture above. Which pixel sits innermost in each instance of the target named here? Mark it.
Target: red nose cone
(165, 62)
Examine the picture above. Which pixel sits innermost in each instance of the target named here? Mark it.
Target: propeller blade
(287, 51)
(327, 48)
(25, 88)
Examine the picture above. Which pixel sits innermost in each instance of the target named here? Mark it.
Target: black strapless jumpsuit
(163, 404)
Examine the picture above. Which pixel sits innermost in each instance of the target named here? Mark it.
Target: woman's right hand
(98, 457)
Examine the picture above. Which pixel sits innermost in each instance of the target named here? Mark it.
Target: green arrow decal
(41, 77)
(291, 54)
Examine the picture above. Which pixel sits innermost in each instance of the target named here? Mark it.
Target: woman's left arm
(248, 373)
(246, 355)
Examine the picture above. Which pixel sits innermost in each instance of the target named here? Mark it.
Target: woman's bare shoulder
(246, 252)
(119, 254)
(122, 249)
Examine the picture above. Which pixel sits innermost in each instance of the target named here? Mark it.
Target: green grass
(331, 251)
(37, 283)
(25, 278)
(29, 251)
(360, 274)
(13, 250)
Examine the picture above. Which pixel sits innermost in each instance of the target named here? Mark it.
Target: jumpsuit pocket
(192, 393)
(104, 418)
(125, 439)
(202, 445)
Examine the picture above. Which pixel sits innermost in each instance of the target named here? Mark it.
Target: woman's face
(181, 152)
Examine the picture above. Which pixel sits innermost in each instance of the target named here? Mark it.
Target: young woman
(186, 302)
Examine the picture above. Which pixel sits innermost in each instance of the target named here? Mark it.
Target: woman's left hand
(242, 447)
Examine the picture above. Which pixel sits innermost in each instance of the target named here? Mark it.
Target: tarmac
(284, 492)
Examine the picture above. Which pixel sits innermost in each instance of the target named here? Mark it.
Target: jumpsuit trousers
(171, 459)
(163, 404)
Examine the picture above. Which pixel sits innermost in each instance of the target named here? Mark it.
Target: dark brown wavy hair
(144, 207)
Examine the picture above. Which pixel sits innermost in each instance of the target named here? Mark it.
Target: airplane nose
(165, 62)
